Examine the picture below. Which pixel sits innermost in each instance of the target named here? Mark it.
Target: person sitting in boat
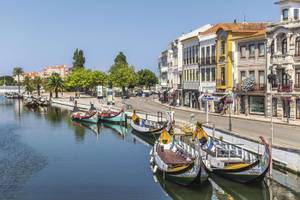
(135, 118)
(200, 134)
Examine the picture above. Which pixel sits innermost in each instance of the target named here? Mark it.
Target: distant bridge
(4, 89)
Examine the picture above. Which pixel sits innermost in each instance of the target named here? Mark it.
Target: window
(208, 55)
(296, 14)
(197, 54)
(285, 14)
(243, 76)
(213, 54)
(197, 75)
(261, 50)
(203, 55)
(194, 75)
(257, 105)
(191, 75)
(207, 74)
(223, 47)
(272, 48)
(284, 46)
(252, 50)
(193, 54)
(297, 78)
(252, 74)
(297, 46)
(261, 80)
(203, 75)
(223, 76)
(243, 52)
(213, 74)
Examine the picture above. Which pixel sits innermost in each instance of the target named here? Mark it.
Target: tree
(85, 79)
(123, 77)
(17, 71)
(55, 84)
(37, 82)
(78, 59)
(119, 61)
(28, 83)
(7, 80)
(146, 78)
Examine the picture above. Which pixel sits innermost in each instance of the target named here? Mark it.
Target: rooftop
(244, 27)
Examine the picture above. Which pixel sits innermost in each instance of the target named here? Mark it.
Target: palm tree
(37, 81)
(55, 83)
(28, 84)
(17, 71)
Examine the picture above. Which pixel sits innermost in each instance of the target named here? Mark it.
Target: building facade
(283, 63)
(191, 67)
(227, 33)
(163, 69)
(207, 65)
(250, 64)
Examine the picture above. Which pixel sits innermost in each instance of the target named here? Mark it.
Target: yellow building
(226, 34)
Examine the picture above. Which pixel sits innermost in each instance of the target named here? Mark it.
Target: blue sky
(36, 33)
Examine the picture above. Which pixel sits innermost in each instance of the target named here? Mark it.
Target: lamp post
(271, 78)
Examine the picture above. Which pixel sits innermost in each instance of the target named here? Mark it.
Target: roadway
(284, 135)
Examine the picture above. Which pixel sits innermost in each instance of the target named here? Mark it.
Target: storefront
(257, 105)
(191, 98)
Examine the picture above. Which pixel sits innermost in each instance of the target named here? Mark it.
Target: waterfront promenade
(285, 135)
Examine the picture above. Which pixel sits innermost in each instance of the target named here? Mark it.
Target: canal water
(44, 155)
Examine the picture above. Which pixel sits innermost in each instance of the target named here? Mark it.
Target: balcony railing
(257, 87)
(285, 88)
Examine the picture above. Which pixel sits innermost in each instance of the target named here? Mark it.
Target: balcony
(280, 59)
(257, 87)
(285, 88)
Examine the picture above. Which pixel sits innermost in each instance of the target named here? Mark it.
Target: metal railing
(285, 88)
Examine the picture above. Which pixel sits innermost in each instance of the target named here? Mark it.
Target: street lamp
(271, 79)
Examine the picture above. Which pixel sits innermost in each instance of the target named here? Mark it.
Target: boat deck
(171, 158)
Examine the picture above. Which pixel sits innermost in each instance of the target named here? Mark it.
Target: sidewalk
(249, 117)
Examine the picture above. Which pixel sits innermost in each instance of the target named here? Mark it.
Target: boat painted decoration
(113, 117)
(90, 116)
(177, 161)
(232, 161)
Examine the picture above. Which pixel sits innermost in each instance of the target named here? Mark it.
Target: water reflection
(19, 162)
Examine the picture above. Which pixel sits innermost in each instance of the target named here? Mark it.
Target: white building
(190, 66)
(283, 62)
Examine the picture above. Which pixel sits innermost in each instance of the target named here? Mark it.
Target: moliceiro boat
(232, 161)
(177, 161)
(148, 129)
(113, 117)
(90, 116)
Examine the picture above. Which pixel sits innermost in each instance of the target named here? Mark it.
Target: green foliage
(120, 61)
(123, 76)
(28, 83)
(37, 82)
(78, 59)
(55, 84)
(8, 80)
(17, 71)
(85, 79)
(146, 78)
